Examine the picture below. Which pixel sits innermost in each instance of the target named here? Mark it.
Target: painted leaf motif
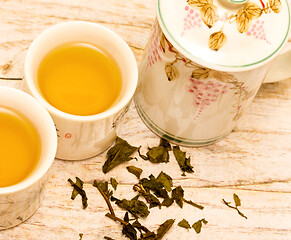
(171, 71)
(275, 5)
(216, 40)
(208, 14)
(242, 21)
(199, 3)
(162, 43)
(200, 73)
(253, 11)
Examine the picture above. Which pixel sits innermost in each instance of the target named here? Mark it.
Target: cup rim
(48, 159)
(109, 112)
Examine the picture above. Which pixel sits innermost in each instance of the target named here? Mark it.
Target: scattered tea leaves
(178, 196)
(198, 225)
(166, 180)
(164, 228)
(184, 224)
(167, 202)
(237, 203)
(134, 170)
(135, 207)
(184, 163)
(114, 183)
(78, 189)
(144, 232)
(118, 154)
(159, 154)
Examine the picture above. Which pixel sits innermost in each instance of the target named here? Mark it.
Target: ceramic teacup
(19, 201)
(81, 137)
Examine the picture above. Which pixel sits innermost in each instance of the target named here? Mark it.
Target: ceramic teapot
(204, 63)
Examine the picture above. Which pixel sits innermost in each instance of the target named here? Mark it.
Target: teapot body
(186, 103)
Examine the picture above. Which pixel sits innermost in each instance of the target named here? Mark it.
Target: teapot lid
(226, 35)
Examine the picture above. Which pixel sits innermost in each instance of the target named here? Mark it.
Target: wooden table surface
(254, 161)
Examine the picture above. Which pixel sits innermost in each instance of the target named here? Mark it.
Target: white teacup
(18, 202)
(81, 137)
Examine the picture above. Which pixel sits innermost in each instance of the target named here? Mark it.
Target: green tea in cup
(19, 147)
(79, 79)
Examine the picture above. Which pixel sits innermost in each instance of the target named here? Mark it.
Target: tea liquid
(79, 79)
(19, 147)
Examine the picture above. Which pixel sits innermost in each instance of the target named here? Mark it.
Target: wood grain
(254, 161)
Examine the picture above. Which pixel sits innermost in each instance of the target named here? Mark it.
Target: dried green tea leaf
(81, 236)
(236, 207)
(118, 154)
(150, 198)
(104, 187)
(183, 162)
(129, 231)
(178, 196)
(144, 232)
(194, 204)
(114, 183)
(108, 238)
(236, 199)
(164, 228)
(198, 225)
(135, 207)
(167, 202)
(166, 180)
(155, 186)
(184, 224)
(134, 170)
(159, 154)
(78, 189)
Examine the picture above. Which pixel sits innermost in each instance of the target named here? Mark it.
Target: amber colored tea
(79, 79)
(19, 147)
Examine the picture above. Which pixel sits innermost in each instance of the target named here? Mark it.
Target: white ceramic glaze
(187, 103)
(195, 21)
(18, 202)
(81, 137)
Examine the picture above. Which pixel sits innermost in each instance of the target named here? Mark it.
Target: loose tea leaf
(135, 207)
(166, 180)
(104, 187)
(184, 224)
(114, 183)
(167, 202)
(178, 196)
(159, 154)
(108, 238)
(128, 230)
(144, 232)
(164, 228)
(193, 204)
(183, 162)
(236, 199)
(150, 198)
(81, 236)
(78, 189)
(118, 154)
(152, 184)
(134, 170)
(198, 225)
(237, 203)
